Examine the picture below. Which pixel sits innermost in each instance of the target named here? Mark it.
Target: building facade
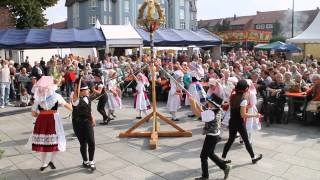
(6, 20)
(277, 22)
(180, 14)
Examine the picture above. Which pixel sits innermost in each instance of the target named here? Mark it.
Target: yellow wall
(313, 49)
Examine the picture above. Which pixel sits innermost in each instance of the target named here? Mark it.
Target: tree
(28, 13)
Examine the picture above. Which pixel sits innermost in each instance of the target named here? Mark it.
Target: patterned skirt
(44, 136)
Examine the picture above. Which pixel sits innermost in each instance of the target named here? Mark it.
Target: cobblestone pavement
(290, 151)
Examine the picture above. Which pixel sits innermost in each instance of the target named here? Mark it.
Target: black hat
(215, 100)
(242, 85)
(84, 86)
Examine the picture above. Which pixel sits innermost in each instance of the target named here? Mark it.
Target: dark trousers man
(233, 129)
(208, 152)
(101, 106)
(85, 134)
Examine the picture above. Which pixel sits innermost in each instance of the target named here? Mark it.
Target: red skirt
(44, 137)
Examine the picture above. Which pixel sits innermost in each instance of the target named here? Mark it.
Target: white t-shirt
(244, 103)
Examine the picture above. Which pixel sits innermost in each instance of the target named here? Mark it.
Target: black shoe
(175, 120)
(255, 160)
(85, 165)
(104, 123)
(92, 167)
(191, 116)
(241, 142)
(113, 115)
(201, 178)
(227, 161)
(52, 166)
(44, 167)
(139, 117)
(108, 120)
(226, 172)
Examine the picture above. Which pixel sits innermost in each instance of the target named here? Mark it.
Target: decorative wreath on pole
(149, 23)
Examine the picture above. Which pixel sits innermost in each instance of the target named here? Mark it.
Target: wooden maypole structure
(151, 23)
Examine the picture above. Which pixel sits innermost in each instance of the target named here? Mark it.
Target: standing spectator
(4, 84)
(36, 71)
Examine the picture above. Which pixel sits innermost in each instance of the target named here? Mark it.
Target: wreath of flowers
(149, 23)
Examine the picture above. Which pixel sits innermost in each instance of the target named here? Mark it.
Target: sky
(211, 9)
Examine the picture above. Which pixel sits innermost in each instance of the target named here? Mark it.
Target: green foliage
(28, 13)
(278, 38)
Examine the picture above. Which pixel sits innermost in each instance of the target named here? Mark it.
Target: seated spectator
(276, 100)
(313, 106)
(25, 98)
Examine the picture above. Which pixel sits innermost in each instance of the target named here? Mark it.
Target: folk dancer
(113, 93)
(196, 92)
(141, 100)
(212, 118)
(99, 90)
(48, 134)
(175, 94)
(83, 122)
(238, 109)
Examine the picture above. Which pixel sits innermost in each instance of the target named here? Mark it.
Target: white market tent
(310, 35)
(121, 36)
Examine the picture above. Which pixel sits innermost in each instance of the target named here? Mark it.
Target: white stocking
(53, 156)
(43, 156)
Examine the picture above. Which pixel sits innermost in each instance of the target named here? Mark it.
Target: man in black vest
(83, 123)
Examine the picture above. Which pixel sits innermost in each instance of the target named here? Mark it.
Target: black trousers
(233, 129)
(208, 152)
(85, 134)
(101, 106)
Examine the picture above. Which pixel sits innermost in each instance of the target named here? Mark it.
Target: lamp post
(292, 25)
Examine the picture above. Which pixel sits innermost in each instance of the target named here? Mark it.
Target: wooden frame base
(155, 133)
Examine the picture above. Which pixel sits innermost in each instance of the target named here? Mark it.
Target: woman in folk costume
(228, 84)
(196, 91)
(175, 94)
(141, 100)
(113, 92)
(252, 123)
(48, 134)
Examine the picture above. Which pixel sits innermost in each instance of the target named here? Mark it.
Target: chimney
(234, 17)
(258, 12)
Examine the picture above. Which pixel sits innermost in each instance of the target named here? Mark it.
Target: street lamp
(292, 27)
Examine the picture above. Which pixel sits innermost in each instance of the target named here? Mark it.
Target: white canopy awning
(121, 36)
(310, 35)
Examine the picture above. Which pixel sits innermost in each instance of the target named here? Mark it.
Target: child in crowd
(25, 98)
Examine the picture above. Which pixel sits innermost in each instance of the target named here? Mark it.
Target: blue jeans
(4, 93)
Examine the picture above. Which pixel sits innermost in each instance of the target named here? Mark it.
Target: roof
(242, 20)
(121, 36)
(209, 23)
(269, 17)
(50, 38)
(59, 25)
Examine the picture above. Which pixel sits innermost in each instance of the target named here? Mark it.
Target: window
(105, 19)
(182, 3)
(182, 25)
(110, 20)
(126, 7)
(260, 26)
(105, 5)
(110, 5)
(181, 13)
(93, 3)
(92, 20)
(126, 20)
(269, 26)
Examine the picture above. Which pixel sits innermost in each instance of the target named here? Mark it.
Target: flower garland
(150, 24)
